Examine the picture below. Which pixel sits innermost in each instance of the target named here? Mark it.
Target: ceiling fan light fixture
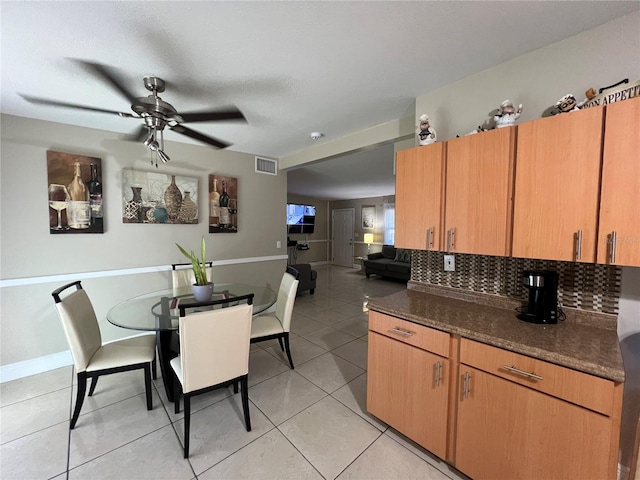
(163, 156)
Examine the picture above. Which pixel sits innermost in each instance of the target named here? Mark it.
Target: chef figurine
(507, 114)
(426, 134)
(567, 103)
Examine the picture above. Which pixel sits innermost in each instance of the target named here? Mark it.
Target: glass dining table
(158, 312)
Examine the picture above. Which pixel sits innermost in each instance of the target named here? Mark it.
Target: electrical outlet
(449, 263)
(278, 244)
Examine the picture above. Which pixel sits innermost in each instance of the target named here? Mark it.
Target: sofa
(306, 277)
(391, 262)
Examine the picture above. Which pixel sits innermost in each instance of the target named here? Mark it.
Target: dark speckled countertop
(577, 345)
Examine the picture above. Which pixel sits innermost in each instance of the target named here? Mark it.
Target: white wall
(29, 326)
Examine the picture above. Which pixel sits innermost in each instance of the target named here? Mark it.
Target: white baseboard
(14, 371)
(26, 368)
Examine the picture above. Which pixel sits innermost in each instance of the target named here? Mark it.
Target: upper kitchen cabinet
(479, 187)
(619, 231)
(557, 186)
(419, 190)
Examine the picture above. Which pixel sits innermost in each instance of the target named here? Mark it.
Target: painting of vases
(153, 197)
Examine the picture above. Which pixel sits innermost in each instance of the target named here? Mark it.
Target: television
(300, 218)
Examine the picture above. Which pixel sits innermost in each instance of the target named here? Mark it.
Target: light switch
(278, 244)
(449, 263)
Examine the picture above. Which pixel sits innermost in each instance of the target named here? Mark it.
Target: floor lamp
(368, 239)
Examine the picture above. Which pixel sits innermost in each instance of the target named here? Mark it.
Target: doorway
(342, 227)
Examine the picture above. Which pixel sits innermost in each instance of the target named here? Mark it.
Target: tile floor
(308, 423)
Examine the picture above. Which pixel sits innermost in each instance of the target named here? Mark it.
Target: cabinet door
(479, 185)
(403, 390)
(419, 187)
(507, 431)
(557, 186)
(620, 192)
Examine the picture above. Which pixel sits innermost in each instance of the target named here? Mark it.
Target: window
(389, 223)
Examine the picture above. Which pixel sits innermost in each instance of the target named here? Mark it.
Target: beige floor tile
(348, 309)
(328, 302)
(354, 396)
(156, 455)
(103, 430)
(328, 338)
(29, 416)
(219, 431)
(332, 445)
(301, 351)
(329, 372)
(262, 366)
(34, 385)
(427, 456)
(355, 326)
(270, 457)
(355, 352)
(42, 454)
(388, 459)
(328, 317)
(308, 308)
(111, 389)
(303, 325)
(285, 395)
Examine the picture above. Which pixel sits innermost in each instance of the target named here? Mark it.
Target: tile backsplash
(585, 286)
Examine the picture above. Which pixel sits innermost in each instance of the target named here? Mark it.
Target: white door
(343, 237)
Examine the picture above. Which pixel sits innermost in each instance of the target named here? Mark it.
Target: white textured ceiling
(291, 67)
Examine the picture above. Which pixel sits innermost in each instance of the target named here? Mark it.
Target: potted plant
(202, 288)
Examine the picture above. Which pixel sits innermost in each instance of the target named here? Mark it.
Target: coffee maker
(542, 304)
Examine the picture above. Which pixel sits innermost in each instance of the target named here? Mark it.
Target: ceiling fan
(156, 113)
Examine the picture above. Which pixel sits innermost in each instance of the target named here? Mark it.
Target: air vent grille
(267, 166)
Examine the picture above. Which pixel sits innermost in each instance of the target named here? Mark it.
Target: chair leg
(187, 422)
(147, 385)
(82, 388)
(245, 402)
(280, 342)
(94, 382)
(235, 387)
(177, 387)
(154, 369)
(312, 290)
(288, 349)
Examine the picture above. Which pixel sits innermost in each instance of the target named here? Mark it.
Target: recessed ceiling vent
(266, 165)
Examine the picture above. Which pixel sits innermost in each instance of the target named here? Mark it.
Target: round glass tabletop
(158, 311)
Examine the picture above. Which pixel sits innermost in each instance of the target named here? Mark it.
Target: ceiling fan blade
(199, 136)
(56, 103)
(212, 116)
(110, 75)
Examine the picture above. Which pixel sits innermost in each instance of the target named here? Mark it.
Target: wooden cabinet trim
(426, 338)
(580, 388)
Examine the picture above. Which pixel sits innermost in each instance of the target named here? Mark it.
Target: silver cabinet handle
(579, 245)
(399, 331)
(438, 373)
(522, 372)
(451, 232)
(614, 237)
(467, 378)
(430, 238)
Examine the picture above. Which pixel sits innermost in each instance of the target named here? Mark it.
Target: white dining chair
(182, 277)
(92, 358)
(278, 324)
(214, 353)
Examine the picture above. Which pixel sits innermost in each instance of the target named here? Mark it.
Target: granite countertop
(580, 346)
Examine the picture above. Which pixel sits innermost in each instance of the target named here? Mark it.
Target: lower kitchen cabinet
(407, 387)
(508, 431)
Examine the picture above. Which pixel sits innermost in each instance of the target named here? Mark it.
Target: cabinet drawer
(410, 333)
(576, 387)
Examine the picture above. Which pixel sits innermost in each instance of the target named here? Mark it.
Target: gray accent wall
(138, 253)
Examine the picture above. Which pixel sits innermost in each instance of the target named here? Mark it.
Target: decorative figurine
(568, 103)
(507, 114)
(426, 134)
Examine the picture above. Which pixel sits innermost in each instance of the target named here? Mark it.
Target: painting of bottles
(153, 197)
(223, 204)
(74, 193)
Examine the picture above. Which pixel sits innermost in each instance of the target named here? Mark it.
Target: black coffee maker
(542, 306)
